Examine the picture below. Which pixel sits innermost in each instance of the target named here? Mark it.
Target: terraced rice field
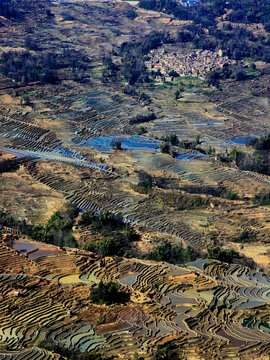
(205, 300)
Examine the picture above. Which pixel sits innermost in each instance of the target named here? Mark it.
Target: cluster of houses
(195, 64)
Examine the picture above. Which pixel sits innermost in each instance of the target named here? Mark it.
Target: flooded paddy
(132, 143)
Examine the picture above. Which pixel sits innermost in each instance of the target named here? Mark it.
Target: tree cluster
(72, 354)
(117, 236)
(245, 237)
(57, 230)
(9, 165)
(235, 72)
(10, 9)
(142, 118)
(145, 183)
(257, 161)
(229, 256)
(24, 67)
(181, 201)
(174, 254)
(133, 67)
(108, 293)
(166, 351)
(261, 143)
(216, 191)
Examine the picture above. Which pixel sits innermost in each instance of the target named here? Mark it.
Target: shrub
(141, 130)
(174, 74)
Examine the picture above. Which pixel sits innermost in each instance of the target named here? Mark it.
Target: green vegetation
(141, 130)
(116, 144)
(133, 69)
(57, 230)
(229, 256)
(131, 14)
(174, 74)
(258, 160)
(180, 201)
(164, 147)
(245, 237)
(9, 165)
(108, 293)
(262, 199)
(168, 142)
(167, 351)
(174, 254)
(145, 182)
(172, 139)
(117, 236)
(261, 143)
(72, 354)
(24, 67)
(141, 118)
(10, 9)
(216, 191)
(198, 139)
(177, 94)
(235, 72)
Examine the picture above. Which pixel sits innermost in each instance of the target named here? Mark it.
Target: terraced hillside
(222, 308)
(84, 146)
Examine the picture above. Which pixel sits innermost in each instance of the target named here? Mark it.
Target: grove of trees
(24, 67)
(108, 293)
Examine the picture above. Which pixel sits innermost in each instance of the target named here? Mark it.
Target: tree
(30, 44)
(131, 14)
(174, 254)
(229, 256)
(174, 74)
(236, 153)
(172, 139)
(145, 181)
(177, 94)
(164, 148)
(212, 78)
(141, 130)
(240, 75)
(116, 144)
(110, 247)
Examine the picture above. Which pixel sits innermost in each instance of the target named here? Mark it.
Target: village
(195, 64)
